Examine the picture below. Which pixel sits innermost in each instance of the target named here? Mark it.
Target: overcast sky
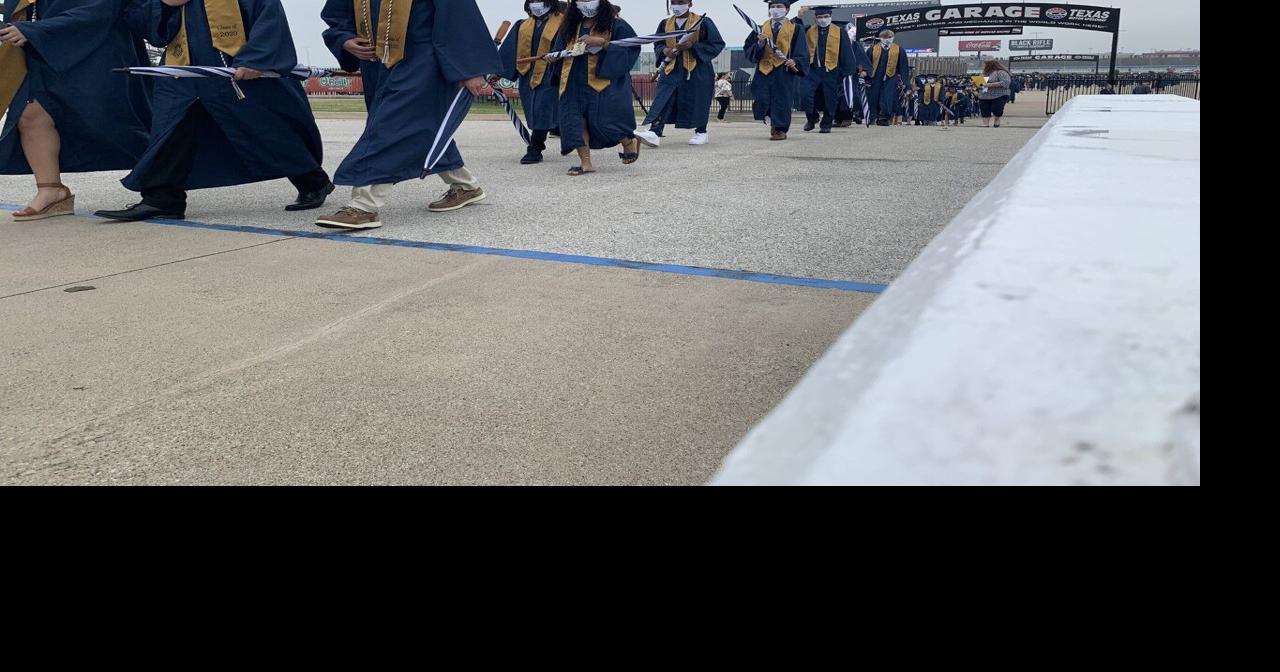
(1145, 25)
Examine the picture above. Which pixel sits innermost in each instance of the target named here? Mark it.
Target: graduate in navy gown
(595, 88)
(539, 81)
(432, 55)
(66, 111)
(776, 83)
(847, 112)
(890, 76)
(930, 101)
(687, 75)
(831, 60)
(354, 53)
(204, 135)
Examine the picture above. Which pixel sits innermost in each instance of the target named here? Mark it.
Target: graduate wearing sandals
(66, 111)
(595, 88)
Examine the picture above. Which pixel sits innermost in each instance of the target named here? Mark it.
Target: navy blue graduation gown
(823, 89)
(860, 60)
(886, 92)
(269, 135)
(775, 94)
(541, 105)
(102, 117)
(447, 43)
(340, 16)
(607, 115)
(684, 97)
(931, 110)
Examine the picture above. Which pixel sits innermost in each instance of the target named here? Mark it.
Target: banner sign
(994, 30)
(979, 45)
(1030, 45)
(1080, 17)
(1053, 57)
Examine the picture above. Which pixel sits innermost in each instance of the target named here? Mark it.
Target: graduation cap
(822, 10)
(779, 2)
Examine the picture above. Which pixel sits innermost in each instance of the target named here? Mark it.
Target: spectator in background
(724, 93)
(994, 94)
(1108, 89)
(1141, 89)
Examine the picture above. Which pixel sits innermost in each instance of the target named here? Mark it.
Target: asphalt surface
(238, 349)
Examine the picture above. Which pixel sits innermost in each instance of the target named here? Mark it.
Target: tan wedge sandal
(66, 206)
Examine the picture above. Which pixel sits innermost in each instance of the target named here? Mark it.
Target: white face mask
(538, 8)
(886, 41)
(777, 12)
(589, 9)
(824, 22)
(679, 10)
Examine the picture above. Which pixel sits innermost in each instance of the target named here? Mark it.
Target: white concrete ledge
(1049, 335)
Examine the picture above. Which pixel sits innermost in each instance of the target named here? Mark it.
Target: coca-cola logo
(1056, 13)
(875, 24)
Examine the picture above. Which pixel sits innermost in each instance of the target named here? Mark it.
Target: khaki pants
(373, 198)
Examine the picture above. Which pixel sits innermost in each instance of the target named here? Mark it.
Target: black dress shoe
(310, 200)
(531, 156)
(825, 129)
(808, 125)
(139, 212)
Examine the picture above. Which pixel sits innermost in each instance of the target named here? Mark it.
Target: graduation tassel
(235, 85)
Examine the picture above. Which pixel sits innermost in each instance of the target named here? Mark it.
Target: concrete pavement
(228, 354)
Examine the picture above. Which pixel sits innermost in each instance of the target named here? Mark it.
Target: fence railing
(1058, 95)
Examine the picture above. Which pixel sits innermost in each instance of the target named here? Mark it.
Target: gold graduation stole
(524, 47)
(877, 50)
(593, 60)
(393, 24)
(834, 38)
(932, 92)
(783, 42)
(13, 62)
(690, 61)
(226, 27)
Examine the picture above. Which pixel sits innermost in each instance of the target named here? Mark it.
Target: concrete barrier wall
(1049, 335)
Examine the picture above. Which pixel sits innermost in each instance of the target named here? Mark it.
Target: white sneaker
(698, 139)
(649, 138)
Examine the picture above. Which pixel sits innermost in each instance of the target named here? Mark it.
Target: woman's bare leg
(584, 152)
(41, 145)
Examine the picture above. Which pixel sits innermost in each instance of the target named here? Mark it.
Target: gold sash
(783, 42)
(524, 47)
(894, 52)
(392, 28)
(834, 38)
(13, 62)
(226, 27)
(931, 92)
(690, 61)
(593, 60)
